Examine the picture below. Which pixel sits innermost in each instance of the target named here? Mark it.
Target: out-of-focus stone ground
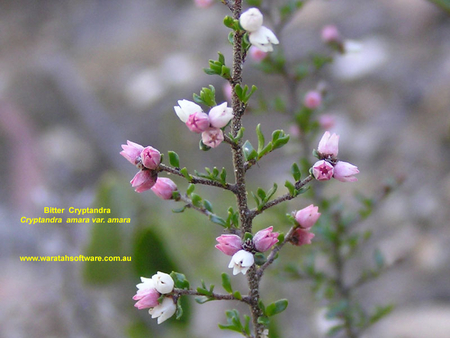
(79, 78)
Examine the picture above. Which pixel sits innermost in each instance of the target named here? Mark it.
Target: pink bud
(144, 180)
(307, 217)
(323, 171)
(327, 121)
(212, 137)
(330, 34)
(220, 115)
(312, 99)
(344, 171)
(257, 54)
(198, 122)
(265, 239)
(329, 145)
(229, 244)
(164, 188)
(203, 3)
(131, 151)
(151, 158)
(147, 298)
(301, 237)
(227, 91)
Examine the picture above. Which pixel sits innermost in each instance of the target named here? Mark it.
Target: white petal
(163, 282)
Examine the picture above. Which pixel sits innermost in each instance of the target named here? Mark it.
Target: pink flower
(257, 54)
(198, 122)
(308, 216)
(344, 171)
(301, 237)
(212, 137)
(265, 239)
(330, 34)
(151, 158)
(164, 188)
(131, 151)
(328, 145)
(323, 171)
(312, 99)
(147, 298)
(229, 244)
(203, 3)
(227, 91)
(220, 115)
(144, 180)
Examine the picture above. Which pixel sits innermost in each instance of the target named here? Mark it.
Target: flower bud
(265, 239)
(131, 151)
(220, 115)
(241, 262)
(323, 171)
(147, 296)
(203, 3)
(198, 122)
(150, 157)
(312, 99)
(251, 20)
(163, 282)
(164, 188)
(229, 244)
(164, 311)
(327, 121)
(144, 180)
(307, 217)
(344, 171)
(330, 34)
(328, 145)
(301, 237)
(212, 137)
(186, 108)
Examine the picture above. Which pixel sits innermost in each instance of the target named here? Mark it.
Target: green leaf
(208, 206)
(276, 307)
(180, 280)
(233, 322)
(295, 170)
(261, 140)
(237, 295)
(179, 312)
(267, 149)
(218, 220)
(196, 200)
(249, 152)
(260, 259)
(174, 159)
(271, 192)
(223, 176)
(443, 4)
(226, 283)
(190, 189)
(290, 187)
(261, 194)
(185, 173)
(380, 312)
(263, 320)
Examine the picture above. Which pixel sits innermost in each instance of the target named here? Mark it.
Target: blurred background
(79, 78)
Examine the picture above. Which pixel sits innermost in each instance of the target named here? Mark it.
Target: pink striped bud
(344, 171)
(301, 237)
(328, 145)
(147, 295)
(323, 171)
(229, 244)
(312, 100)
(265, 239)
(198, 122)
(131, 151)
(144, 180)
(212, 137)
(164, 188)
(307, 217)
(150, 157)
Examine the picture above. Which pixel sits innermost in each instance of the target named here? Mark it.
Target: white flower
(263, 39)
(163, 282)
(186, 108)
(251, 20)
(220, 115)
(163, 311)
(241, 262)
(147, 283)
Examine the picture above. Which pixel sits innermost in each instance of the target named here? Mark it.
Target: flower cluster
(259, 36)
(328, 165)
(305, 219)
(150, 292)
(242, 251)
(147, 160)
(208, 124)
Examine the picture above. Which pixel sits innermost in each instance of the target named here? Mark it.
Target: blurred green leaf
(226, 283)
(443, 4)
(276, 307)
